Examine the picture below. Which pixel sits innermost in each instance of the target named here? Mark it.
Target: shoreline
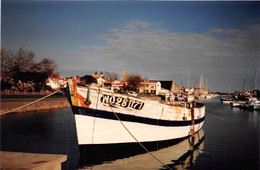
(55, 102)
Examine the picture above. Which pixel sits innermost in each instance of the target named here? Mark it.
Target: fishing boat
(105, 117)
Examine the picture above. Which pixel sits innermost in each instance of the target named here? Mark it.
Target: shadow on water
(45, 132)
(175, 153)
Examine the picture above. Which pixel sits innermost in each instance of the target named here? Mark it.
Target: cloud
(148, 49)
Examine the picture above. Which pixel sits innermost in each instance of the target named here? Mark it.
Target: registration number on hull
(121, 101)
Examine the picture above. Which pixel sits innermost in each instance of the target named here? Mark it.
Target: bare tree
(134, 81)
(48, 66)
(111, 75)
(20, 65)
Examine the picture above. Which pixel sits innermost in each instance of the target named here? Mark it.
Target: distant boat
(254, 104)
(226, 100)
(237, 103)
(209, 96)
(97, 111)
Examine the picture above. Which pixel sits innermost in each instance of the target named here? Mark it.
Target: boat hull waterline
(96, 123)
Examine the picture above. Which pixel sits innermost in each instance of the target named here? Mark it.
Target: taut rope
(138, 141)
(29, 103)
(215, 116)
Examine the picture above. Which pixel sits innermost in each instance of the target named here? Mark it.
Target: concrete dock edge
(33, 161)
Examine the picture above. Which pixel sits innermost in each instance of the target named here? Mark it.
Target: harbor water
(229, 140)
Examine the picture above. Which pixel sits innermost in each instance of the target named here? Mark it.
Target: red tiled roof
(186, 87)
(120, 84)
(62, 78)
(108, 81)
(149, 82)
(77, 79)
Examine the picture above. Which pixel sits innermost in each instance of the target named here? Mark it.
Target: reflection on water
(50, 132)
(177, 154)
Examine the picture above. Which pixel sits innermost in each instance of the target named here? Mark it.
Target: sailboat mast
(188, 81)
(243, 88)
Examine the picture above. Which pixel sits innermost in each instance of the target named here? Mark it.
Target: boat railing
(186, 104)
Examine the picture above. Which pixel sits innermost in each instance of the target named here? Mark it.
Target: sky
(161, 40)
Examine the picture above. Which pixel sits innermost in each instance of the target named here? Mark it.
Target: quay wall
(40, 105)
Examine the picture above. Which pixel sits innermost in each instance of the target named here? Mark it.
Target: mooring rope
(29, 103)
(216, 116)
(220, 118)
(138, 141)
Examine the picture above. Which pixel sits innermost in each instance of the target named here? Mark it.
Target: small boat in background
(251, 104)
(237, 103)
(254, 104)
(226, 100)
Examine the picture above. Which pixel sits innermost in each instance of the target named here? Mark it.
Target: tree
(133, 81)
(111, 75)
(20, 65)
(88, 79)
(13, 62)
(48, 66)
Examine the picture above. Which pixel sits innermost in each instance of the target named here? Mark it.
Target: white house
(150, 87)
(118, 86)
(57, 82)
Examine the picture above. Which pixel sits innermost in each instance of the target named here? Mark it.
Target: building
(96, 76)
(170, 85)
(150, 87)
(189, 90)
(119, 86)
(57, 82)
(100, 81)
(109, 83)
(201, 91)
(174, 87)
(124, 75)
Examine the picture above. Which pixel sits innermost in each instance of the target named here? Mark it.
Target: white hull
(226, 102)
(147, 120)
(91, 130)
(237, 103)
(255, 106)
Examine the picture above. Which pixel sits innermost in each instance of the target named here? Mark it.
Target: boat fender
(184, 117)
(88, 101)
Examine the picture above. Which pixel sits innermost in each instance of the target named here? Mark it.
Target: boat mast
(243, 88)
(188, 81)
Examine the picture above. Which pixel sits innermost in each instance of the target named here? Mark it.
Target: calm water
(232, 143)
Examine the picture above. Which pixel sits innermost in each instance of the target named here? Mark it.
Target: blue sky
(161, 40)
